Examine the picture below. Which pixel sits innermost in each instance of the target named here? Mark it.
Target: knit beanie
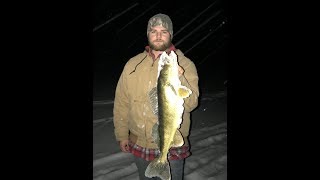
(160, 20)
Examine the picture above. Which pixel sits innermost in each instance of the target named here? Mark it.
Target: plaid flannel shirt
(175, 153)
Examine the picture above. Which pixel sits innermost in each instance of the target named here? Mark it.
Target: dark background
(47, 50)
(200, 31)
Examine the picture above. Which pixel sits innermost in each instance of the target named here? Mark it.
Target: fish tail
(159, 169)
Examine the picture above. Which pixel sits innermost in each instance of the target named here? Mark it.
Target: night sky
(200, 31)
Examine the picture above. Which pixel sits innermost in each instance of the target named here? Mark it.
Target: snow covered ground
(208, 138)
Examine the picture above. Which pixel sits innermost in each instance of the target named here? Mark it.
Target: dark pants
(176, 168)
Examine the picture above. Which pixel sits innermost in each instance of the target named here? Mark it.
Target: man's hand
(181, 70)
(124, 146)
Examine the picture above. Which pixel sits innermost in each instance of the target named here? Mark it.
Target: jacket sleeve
(190, 79)
(121, 109)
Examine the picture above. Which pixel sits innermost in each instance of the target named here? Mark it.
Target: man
(134, 116)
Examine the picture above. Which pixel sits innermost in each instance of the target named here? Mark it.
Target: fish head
(168, 64)
(170, 59)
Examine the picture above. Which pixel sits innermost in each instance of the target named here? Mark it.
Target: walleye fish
(170, 94)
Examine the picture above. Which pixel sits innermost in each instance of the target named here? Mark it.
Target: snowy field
(208, 138)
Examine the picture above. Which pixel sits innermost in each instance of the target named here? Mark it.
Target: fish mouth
(167, 62)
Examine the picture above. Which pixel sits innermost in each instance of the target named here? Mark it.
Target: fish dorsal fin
(153, 98)
(155, 134)
(184, 92)
(177, 139)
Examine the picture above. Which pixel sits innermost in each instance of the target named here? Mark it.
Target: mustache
(158, 40)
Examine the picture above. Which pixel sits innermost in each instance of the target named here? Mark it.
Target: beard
(161, 47)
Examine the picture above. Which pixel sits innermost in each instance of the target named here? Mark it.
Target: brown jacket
(132, 109)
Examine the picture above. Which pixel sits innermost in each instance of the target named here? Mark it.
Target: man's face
(159, 38)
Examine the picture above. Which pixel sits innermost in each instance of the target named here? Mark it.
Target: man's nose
(158, 35)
